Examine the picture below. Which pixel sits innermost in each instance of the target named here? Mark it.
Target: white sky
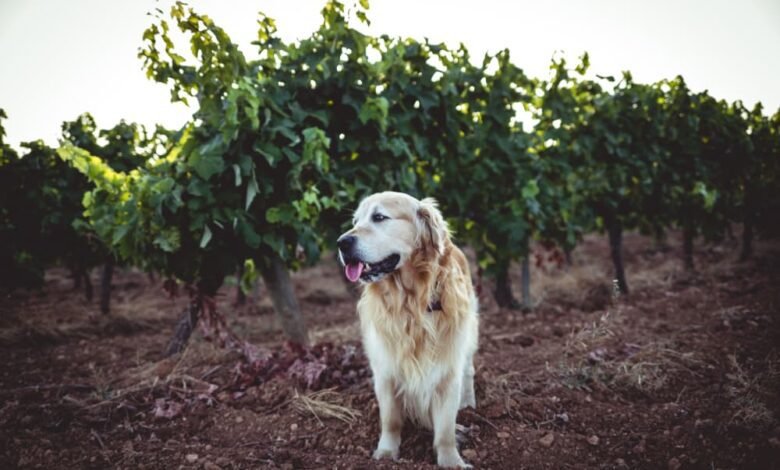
(61, 58)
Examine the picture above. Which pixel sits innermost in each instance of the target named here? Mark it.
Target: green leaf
(284, 214)
(206, 238)
(275, 242)
(251, 191)
(237, 173)
(119, 234)
(250, 236)
(164, 186)
(168, 240)
(248, 276)
(530, 190)
(289, 134)
(375, 109)
(207, 162)
(291, 155)
(271, 153)
(198, 187)
(273, 215)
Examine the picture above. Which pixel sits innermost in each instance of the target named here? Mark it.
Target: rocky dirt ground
(682, 373)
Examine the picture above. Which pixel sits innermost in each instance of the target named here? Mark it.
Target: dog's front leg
(391, 419)
(445, 412)
(467, 392)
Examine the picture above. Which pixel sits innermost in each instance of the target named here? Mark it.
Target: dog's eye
(379, 217)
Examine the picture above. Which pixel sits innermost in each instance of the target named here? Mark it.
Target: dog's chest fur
(406, 349)
(417, 348)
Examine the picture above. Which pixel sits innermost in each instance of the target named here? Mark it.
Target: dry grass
(504, 389)
(583, 361)
(652, 367)
(570, 286)
(323, 404)
(197, 356)
(658, 276)
(748, 393)
(597, 354)
(592, 336)
(176, 373)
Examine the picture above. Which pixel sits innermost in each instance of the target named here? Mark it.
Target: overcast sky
(61, 58)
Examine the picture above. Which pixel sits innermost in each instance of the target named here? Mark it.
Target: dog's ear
(432, 230)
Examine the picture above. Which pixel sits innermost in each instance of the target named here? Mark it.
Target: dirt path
(684, 373)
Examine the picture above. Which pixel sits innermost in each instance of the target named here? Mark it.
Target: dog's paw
(383, 454)
(449, 458)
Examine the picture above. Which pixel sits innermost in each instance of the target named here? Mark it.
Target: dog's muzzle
(356, 268)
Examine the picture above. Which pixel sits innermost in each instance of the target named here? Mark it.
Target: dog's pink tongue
(353, 271)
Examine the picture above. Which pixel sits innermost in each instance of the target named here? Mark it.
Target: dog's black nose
(346, 243)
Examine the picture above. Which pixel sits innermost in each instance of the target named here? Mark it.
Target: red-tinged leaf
(308, 374)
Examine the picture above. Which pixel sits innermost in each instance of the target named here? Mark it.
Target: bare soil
(682, 373)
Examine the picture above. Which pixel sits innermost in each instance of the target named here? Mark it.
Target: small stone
(239, 419)
(502, 435)
(191, 458)
(208, 447)
(470, 454)
(294, 427)
(674, 464)
(210, 466)
(27, 419)
(223, 461)
(547, 440)
(593, 440)
(621, 463)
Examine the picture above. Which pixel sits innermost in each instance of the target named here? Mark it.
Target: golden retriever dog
(418, 317)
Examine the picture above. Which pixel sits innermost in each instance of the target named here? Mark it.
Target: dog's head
(388, 229)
